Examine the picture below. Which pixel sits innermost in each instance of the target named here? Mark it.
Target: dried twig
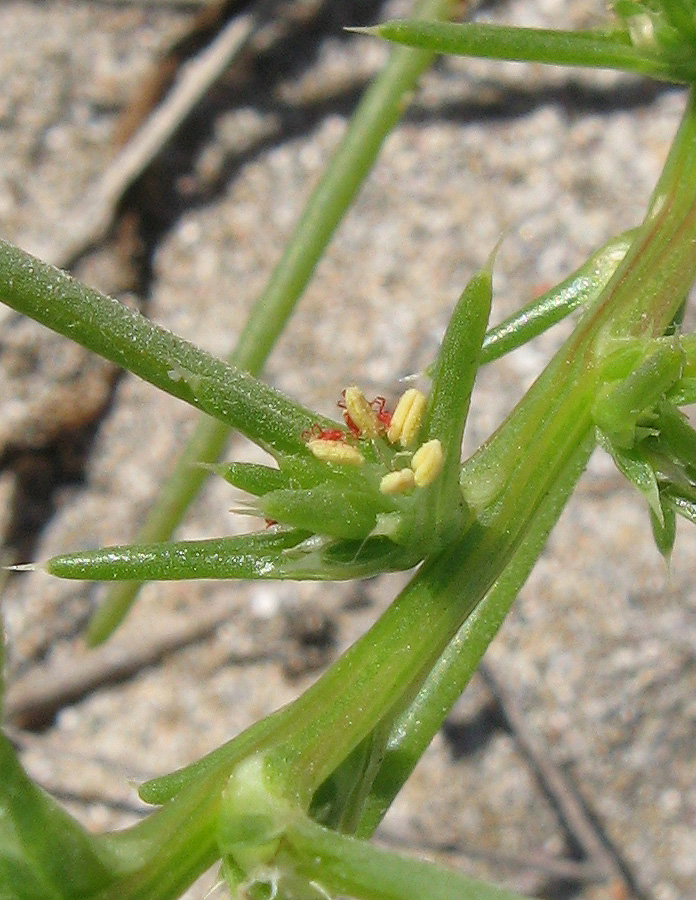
(542, 864)
(33, 700)
(27, 741)
(561, 791)
(93, 217)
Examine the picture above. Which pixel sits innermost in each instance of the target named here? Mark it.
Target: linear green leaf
(344, 865)
(596, 49)
(255, 555)
(124, 336)
(577, 290)
(448, 405)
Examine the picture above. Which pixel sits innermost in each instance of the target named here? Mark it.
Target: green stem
(414, 729)
(162, 855)
(378, 112)
(371, 679)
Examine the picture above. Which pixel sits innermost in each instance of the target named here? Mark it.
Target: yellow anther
(397, 482)
(362, 414)
(427, 462)
(407, 418)
(335, 452)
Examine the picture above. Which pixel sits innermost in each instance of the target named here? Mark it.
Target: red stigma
(317, 433)
(331, 434)
(383, 414)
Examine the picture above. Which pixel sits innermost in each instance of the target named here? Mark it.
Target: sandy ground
(598, 657)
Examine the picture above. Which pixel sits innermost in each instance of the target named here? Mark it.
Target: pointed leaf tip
(363, 29)
(23, 567)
